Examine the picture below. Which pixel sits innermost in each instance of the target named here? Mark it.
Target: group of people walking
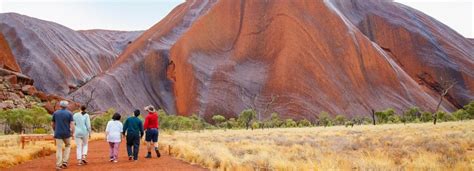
(78, 126)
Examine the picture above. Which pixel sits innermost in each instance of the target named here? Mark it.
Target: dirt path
(98, 161)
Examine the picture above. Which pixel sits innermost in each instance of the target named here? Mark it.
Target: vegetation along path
(98, 158)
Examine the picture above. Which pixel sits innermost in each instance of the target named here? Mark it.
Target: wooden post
(22, 139)
(169, 150)
(373, 116)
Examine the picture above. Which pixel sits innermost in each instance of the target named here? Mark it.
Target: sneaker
(84, 161)
(64, 165)
(148, 155)
(58, 168)
(158, 153)
(111, 159)
(80, 163)
(115, 161)
(130, 157)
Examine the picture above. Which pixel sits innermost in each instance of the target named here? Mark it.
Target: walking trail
(98, 159)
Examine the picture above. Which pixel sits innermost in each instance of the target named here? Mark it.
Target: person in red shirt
(151, 127)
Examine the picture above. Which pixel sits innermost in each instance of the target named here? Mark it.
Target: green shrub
(304, 123)
(99, 123)
(460, 114)
(469, 108)
(411, 114)
(174, 122)
(394, 119)
(340, 119)
(275, 120)
(232, 123)
(218, 119)
(426, 117)
(290, 123)
(324, 119)
(385, 116)
(40, 131)
(349, 123)
(246, 117)
(256, 125)
(19, 120)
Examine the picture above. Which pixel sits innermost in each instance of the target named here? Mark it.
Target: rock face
(57, 58)
(117, 41)
(7, 60)
(138, 77)
(297, 58)
(434, 54)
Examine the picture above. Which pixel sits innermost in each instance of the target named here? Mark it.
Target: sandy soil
(98, 161)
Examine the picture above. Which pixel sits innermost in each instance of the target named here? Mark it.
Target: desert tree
(246, 117)
(85, 98)
(218, 120)
(262, 105)
(442, 90)
(325, 119)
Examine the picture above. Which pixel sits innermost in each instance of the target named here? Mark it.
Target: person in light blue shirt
(82, 126)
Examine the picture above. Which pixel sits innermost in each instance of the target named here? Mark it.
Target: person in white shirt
(82, 125)
(114, 136)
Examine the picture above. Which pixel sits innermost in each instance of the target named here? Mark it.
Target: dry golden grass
(11, 153)
(446, 146)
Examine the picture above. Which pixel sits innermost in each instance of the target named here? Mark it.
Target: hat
(150, 108)
(63, 103)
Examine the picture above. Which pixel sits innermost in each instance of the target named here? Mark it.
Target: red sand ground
(98, 161)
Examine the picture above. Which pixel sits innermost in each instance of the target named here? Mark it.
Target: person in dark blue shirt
(63, 126)
(133, 129)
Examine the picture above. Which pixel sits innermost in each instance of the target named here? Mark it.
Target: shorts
(151, 135)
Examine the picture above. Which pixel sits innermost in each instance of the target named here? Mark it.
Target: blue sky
(95, 14)
(142, 14)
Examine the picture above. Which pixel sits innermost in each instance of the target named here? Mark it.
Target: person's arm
(146, 122)
(125, 127)
(53, 124)
(121, 130)
(141, 129)
(71, 125)
(88, 125)
(107, 128)
(72, 129)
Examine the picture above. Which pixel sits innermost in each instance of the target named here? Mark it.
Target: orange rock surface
(60, 59)
(138, 77)
(343, 57)
(7, 60)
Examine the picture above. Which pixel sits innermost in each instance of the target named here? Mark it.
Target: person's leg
(116, 150)
(148, 138)
(136, 147)
(111, 154)
(59, 152)
(85, 148)
(79, 149)
(67, 151)
(155, 143)
(129, 150)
